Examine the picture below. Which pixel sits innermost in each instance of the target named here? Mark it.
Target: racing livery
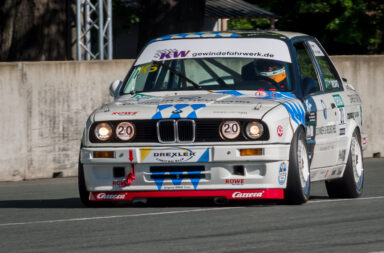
(243, 115)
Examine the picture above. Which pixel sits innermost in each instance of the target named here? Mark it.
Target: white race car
(243, 115)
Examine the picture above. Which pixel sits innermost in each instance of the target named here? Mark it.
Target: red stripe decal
(229, 194)
(130, 155)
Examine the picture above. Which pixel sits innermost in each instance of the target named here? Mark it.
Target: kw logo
(174, 54)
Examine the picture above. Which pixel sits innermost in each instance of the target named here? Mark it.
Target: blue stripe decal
(204, 157)
(159, 181)
(195, 181)
(174, 116)
(180, 106)
(234, 93)
(157, 116)
(296, 111)
(196, 107)
(177, 111)
(177, 180)
(192, 115)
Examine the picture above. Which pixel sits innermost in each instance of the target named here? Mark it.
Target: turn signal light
(103, 154)
(251, 151)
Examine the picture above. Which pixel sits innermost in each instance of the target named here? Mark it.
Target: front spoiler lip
(242, 194)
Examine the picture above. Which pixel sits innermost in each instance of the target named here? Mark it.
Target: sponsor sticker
(324, 109)
(338, 100)
(315, 48)
(342, 154)
(282, 173)
(341, 115)
(148, 69)
(247, 195)
(139, 96)
(175, 155)
(235, 181)
(124, 113)
(265, 48)
(352, 115)
(354, 98)
(169, 54)
(260, 94)
(280, 131)
(110, 196)
(326, 130)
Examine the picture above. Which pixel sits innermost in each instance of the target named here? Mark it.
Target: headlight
(254, 130)
(230, 130)
(125, 131)
(103, 131)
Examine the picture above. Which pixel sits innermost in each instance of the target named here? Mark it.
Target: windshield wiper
(179, 74)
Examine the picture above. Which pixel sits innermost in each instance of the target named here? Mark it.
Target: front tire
(298, 185)
(351, 184)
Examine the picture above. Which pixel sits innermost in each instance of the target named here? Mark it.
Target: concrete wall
(44, 107)
(366, 74)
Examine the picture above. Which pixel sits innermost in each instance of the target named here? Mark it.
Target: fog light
(251, 151)
(103, 154)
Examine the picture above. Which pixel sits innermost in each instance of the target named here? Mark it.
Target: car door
(320, 112)
(333, 87)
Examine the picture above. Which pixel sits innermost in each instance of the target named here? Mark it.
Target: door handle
(333, 105)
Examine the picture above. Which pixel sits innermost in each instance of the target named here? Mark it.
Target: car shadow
(158, 203)
(318, 197)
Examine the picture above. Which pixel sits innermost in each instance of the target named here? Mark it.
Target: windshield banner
(215, 48)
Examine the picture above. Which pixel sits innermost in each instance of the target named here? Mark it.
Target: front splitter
(228, 194)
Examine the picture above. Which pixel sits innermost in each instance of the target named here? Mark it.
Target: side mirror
(309, 85)
(114, 87)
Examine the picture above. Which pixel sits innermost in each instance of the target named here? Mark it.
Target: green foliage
(125, 15)
(247, 24)
(343, 26)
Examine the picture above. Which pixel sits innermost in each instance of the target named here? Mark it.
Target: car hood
(192, 104)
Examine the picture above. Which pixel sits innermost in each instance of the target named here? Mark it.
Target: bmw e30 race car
(242, 115)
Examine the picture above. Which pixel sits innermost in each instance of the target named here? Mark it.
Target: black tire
(351, 184)
(298, 185)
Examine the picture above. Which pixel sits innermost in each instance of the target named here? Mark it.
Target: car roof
(233, 34)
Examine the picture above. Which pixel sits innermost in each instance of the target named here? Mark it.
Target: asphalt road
(46, 216)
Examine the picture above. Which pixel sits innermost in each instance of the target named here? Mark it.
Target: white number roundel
(125, 131)
(230, 129)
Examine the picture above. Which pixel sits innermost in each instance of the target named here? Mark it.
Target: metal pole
(78, 29)
(87, 31)
(110, 44)
(101, 34)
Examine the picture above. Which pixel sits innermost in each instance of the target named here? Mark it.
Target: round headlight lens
(103, 131)
(125, 131)
(230, 130)
(254, 130)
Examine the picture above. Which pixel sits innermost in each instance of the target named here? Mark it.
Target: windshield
(212, 64)
(209, 74)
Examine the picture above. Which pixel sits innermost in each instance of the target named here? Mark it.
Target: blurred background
(57, 58)
(41, 30)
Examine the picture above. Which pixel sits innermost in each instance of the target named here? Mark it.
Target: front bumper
(187, 171)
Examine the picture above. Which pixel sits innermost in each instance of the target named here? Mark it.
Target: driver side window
(309, 80)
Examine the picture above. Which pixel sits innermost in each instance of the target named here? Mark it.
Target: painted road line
(116, 216)
(342, 200)
(164, 213)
